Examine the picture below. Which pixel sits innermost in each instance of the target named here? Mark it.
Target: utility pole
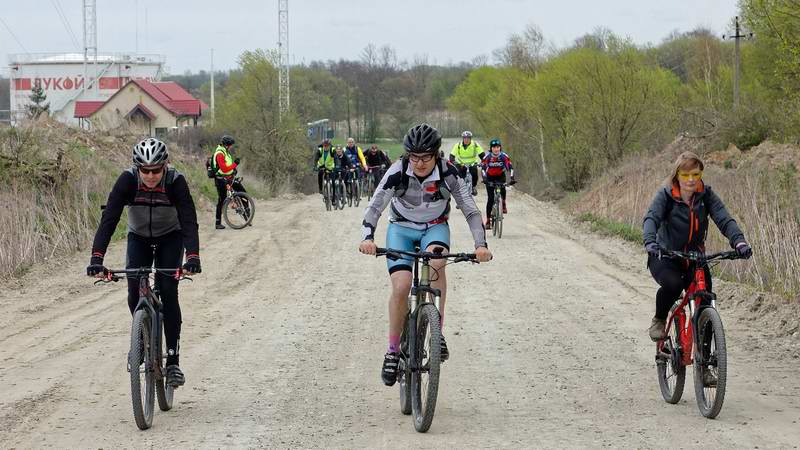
(737, 61)
(90, 44)
(212, 85)
(283, 51)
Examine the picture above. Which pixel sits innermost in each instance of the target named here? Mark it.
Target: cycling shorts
(399, 237)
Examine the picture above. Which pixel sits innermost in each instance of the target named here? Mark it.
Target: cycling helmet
(227, 140)
(149, 152)
(495, 142)
(466, 134)
(422, 138)
(326, 142)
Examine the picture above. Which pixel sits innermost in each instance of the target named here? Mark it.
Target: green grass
(609, 227)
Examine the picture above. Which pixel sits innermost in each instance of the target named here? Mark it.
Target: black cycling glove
(192, 265)
(95, 266)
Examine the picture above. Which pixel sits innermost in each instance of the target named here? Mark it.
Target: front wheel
(669, 366)
(425, 379)
(710, 363)
(238, 210)
(326, 193)
(140, 364)
(356, 193)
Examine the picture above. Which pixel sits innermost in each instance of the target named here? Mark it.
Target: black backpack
(211, 170)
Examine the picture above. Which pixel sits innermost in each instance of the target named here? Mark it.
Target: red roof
(143, 109)
(86, 109)
(168, 94)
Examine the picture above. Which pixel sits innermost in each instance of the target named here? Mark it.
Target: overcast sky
(448, 31)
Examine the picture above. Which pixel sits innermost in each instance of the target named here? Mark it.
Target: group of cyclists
(350, 163)
(418, 187)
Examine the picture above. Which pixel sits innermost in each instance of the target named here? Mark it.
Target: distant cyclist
(341, 166)
(225, 166)
(161, 213)
(377, 162)
(323, 160)
(494, 168)
(466, 155)
(418, 187)
(678, 220)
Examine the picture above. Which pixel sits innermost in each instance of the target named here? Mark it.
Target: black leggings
(473, 170)
(673, 277)
(168, 254)
(222, 194)
(490, 193)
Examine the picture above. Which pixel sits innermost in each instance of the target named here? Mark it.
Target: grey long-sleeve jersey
(423, 202)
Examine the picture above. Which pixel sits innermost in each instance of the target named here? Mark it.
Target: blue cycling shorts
(399, 237)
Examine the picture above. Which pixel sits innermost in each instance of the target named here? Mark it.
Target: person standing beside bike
(466, 155)
(418, 187)
(677, 220)
(225, 167)
(161, 216)
(494, 167)
(377, 162)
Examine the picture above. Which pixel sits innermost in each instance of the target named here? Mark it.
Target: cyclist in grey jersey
(418, 189)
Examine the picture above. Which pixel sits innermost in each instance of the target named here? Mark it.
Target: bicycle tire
(140, 355)
(243, 207)
(671, 392)
(710, 338)
(494, 220)
(327, 195)
(423, 398)
(370, 188)
(357, 193)
(499, 226)
(340, 195)
(404, 380)
(164, 392)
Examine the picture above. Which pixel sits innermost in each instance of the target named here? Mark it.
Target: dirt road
(285, 330)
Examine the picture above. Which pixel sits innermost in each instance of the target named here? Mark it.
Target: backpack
(441, 186)
(211, 170)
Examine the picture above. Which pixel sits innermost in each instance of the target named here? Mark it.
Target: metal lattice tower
(89, 42)
(283, 49)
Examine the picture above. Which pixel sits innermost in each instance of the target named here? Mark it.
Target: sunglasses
(417, 158)
(693, 175)
(151, 171)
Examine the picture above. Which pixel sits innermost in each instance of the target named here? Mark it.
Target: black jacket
(152, 212)
(675, 225)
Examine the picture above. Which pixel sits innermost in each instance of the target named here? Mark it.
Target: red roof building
(143, 104)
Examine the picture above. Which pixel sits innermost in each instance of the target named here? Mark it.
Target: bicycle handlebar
(700, 256)
(396, 254)
(112, 275)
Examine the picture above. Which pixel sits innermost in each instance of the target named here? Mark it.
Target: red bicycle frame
(685, 326)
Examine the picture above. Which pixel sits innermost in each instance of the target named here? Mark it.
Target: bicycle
(420, 341)
(146, 356)
(338, 191)
(354, 196)
(370, 181)
(238, 208)
(468, 177)
(497, 207)
(699, 341)
(327, 189)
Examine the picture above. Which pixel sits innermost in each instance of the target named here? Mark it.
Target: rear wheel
(670, 368)
(238, 210)
(164, 392)
(425, 380)
(710, 363)
(140, 362)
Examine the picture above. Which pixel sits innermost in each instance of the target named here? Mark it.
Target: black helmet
(227, 140)
(326, 142)
(422, 138)
(495, 143)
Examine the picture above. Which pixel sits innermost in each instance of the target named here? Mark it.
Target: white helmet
(149, 152)
(466, 134)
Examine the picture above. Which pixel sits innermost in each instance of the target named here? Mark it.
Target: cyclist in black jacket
(161, 215)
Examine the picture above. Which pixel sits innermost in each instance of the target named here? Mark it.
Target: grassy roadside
(609, 227)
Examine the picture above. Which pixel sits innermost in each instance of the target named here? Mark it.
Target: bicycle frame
(420, 283)
(149, 301)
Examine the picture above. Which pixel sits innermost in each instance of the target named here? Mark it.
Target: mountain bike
(146, 356)
(354, 196)
(339, 196)
(238, 208)
(497, 207)
(327, 189)
(468, 176)
(421, 339)
(695, 337)
(370, 180)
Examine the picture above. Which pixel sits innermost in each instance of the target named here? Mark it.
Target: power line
(14, 36)
(65, 21)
